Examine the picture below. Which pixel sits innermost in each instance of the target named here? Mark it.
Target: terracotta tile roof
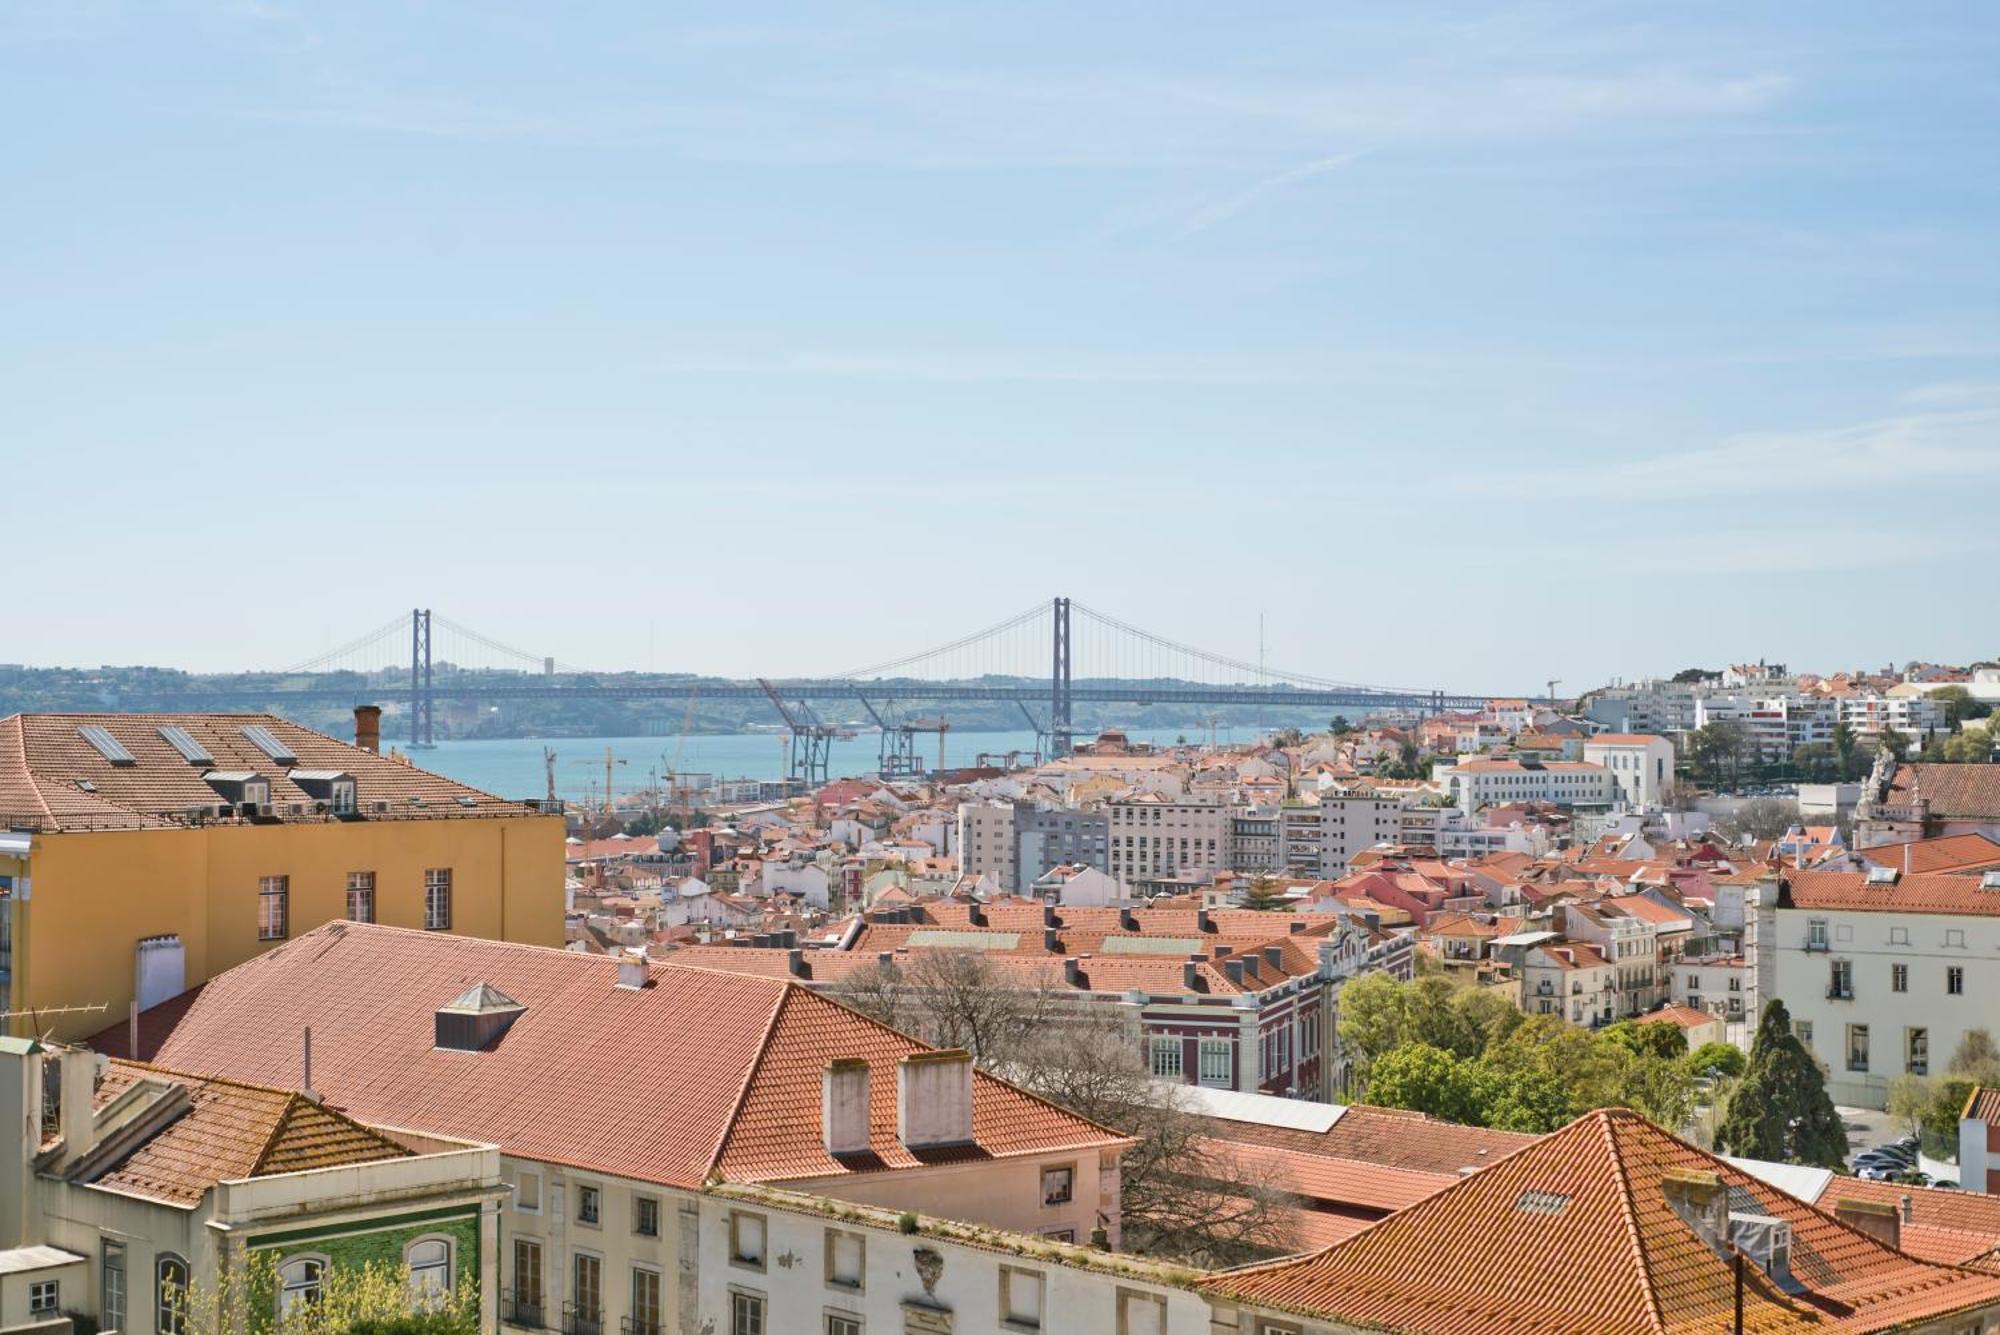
(1932, 892)
(1390, 1137)
(577, 1078)
(44, 758)
(1507, 1251)
(1685, 1016)
(1955, 1227)
(1982, 1105)
(1350, 1182)
(1968, 792)
(231, 1131)
(1947, 853)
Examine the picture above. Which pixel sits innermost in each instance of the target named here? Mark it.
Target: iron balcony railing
(580, 1322)
(633, 1325)
(523, 1309)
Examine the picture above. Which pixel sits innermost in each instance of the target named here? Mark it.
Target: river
(513, 767)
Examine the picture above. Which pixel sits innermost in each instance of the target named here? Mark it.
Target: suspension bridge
(1045, 660)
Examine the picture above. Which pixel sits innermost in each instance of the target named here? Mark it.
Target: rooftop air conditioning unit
(379, 807)
(298, 808)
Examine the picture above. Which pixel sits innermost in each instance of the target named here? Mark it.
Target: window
(1020, 1298)
(846, 1259)
(746, 1313)
(1816, 934)
(170, 1282)
(299, 1282)
(527, 1299)
(44, 1297)
(1802, 1030)
(586, 1293)
(746, 1239)
(1857, 1047)
(1218, 1063)
(1059, 1185)
(645, 1301)
(528, 1192)
(1840, 980)
(1899, 977)
(1917, 1050)
(1141, 1313)
(840, 1323)
(437, 899)
(361, 896)
(589, 1204)
(429, 1262)
(1954, 980)
(1167, 1058)
(274, 894)
(646, 1216)
(112, 1276)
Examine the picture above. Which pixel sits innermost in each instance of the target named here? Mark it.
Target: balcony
(633, 1325)
(524, 1310)
(1837, 993)
(1819, 945)
(582, 1322)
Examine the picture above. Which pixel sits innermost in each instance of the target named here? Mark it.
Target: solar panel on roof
(183, 741)
(107, 746)
(267, 741)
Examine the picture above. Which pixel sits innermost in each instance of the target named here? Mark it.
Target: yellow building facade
(135, 890)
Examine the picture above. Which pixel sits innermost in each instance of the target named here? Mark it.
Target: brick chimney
(934, 1099)
(1878, 1219)
(843, 1106)
(368, 728)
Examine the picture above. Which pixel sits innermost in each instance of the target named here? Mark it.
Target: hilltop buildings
(145, 853)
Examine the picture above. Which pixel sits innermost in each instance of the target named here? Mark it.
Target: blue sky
(1474, 345)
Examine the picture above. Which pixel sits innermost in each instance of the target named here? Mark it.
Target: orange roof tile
(1924, 892)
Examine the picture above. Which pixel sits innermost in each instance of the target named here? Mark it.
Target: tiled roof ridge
(1606, 1124)
(712, 1171)
(278, 1126)
(27, 771)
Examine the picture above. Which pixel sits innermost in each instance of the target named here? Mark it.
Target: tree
(1816, 762)
(1340, 727)
(1895, 743)
(1782, 1111)
(369, 1299)
(1717, 748)
(1184, 1195)
(1759, 818)
(1959, 706)
(1653, 1038)
(1430, 1080)
(1262, 896)
(1974, 746)
(1910, 1100)
(1846, 749)
(1717, 1060)
(1976, 1057)
(1688, 676)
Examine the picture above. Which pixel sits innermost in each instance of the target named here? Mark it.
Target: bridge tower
(1060, 729)
(421, 694)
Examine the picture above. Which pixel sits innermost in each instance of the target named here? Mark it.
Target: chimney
(631, 972)
(1701, 1200)
(1202, 922)
(1128, 921)
(934, 1099)
(1191, 974)
(843, 1106)
(1222, 949)
(368, 728)
(1234, 968)
(1051, 940)
(306, 1065)
(975, 914)
(1295, 926)
(1878, 1219)
(1049, 915)
(795, 962)
(1073, 972)
(1274, 957)
(1251, 966)
(76, 1121)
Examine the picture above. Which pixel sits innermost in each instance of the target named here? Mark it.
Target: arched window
(300, 1280)
(170, 1295)
(429, 1260)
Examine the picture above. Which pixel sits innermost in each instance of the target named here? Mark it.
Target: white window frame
(428, 1295)
(307, 1290)
(437, 896)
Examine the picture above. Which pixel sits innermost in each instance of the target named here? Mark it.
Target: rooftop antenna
(308, 1091)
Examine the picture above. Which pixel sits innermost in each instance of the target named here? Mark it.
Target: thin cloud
(1203, 219)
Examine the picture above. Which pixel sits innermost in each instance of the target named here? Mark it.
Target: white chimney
(632, 971)
(843, 1106)
(934, 1099)
(76, 1117)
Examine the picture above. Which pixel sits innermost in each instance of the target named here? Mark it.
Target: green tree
(1374, 1017)
(1688, 676)
(1653, 1038)
(1973, 746)
(1782, 1111)
(1977, 1057)
(1895, 743)
(1717, 1060)
(1910, 1100)
(1717, 750)
(1430, 1080)
(1528, 1100)
(1262, 896)
(1846, 750)
(1340, 727)
(1959, 706)
(1659, 1086)
(1948, 1096)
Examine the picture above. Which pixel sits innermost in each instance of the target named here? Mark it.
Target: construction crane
(1553, 683)
(806, 727)
(549, 770)
(679, 793)
(610, 761)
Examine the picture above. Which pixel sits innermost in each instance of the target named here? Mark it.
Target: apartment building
(1641, 766)
(1717, 984)
(1772, 726)
(1883, 972)
(676, 1138)
(1014, 843)
(1253, 841)
(1474, 783)
(145, 853)
(127, 1193)
(1869, 715)
(1153, 835)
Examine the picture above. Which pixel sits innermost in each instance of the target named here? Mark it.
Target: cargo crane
(808, 729)
(897, 757)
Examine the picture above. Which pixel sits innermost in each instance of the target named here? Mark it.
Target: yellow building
(145, 853)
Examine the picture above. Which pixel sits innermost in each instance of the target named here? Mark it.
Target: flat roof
(20, 1260)
(1262, 1109)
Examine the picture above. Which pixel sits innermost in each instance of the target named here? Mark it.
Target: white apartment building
(1632, 947)
(1476, 782)
(1718, 984)
(986, 842)
(1868, 716)
(1883, 973)
(1773, 726)
(1571, 979)
(1641, 765)
(1154, 835)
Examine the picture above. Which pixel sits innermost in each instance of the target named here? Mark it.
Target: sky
(1467, 346)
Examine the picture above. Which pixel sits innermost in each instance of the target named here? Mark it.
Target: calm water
(512, 767)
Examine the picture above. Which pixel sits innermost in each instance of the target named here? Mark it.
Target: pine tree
(1782, 1111)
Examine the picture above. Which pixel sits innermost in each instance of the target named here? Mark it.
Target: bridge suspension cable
(487, 642)
(1015, 622)
(1252, 671)
(394, 632)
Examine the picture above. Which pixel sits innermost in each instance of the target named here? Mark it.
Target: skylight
(107, 746)
(183, 741)
(1990, 881)
(267, 741)
(1881, 876)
